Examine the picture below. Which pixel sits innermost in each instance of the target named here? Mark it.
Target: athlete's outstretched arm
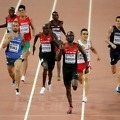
(4, 25)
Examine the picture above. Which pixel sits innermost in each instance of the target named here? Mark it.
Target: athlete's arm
(94, 51)
(59, 53)
(107, 40)
(7, 40)
(33, 28)
(62, 28)
(34, 43)
(85, 57)
(4, 25)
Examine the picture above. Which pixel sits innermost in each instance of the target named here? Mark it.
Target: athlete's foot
(13, 82)
(17, 91)
(84, 99)
(49, 88)
(70, 110)
(42, 91)
(23, 78)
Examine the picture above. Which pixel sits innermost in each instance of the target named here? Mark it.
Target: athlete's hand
(86, 70)
(113, 46)
(98, 58)
(34, 48)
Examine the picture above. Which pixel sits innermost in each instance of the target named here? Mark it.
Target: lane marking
(89, 28)
(19, 2)
(36, 75)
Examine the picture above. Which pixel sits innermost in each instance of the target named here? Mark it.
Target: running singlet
(14, 50)
(56, 29)
(70, 55)
(87, 46)
(46, 46)
(9, 21)
(25, 27)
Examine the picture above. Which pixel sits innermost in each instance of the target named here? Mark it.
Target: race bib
(58, 35)
(13, 47)
(116, 40)
(24, 28)
(9, 25)
(70, 58)
(46, 47)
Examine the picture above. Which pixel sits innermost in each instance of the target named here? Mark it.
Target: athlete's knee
(45, 65)
(74, 84)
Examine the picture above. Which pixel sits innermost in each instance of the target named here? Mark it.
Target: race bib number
(58, 35)
(117, 40)
(24, 28)
(70, 58)
(46, 47)
(13, 47)
(9, 26)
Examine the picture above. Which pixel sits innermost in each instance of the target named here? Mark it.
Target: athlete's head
(118, 21)
(11, 11)
(55, 15)
(46, 29)
(21, 10)
(84, 34)
(15, 26)
(70, 37)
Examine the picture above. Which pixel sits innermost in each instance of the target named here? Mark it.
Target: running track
(103, 102)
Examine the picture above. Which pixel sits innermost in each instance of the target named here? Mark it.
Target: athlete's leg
(58, 70)
(113, 68)
(17, 67)
(11, 71)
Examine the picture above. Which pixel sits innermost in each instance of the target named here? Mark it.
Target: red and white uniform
(25, 27)
(80, 60)
(9, 21)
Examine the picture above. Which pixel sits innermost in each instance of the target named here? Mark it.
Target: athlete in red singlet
(25, 27)
(87, 45)
(46, 54)
(9, 19)
(70, 77)
(56, 26)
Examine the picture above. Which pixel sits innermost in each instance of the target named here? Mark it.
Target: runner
(69, 52)
(87, 45)
(13, 43)
(46, 53)
(56, 26)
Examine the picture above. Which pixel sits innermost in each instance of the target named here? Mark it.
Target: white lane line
(19, 2)
(36, 75)
(89, 28)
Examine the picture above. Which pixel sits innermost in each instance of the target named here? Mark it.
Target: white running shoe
(118, 89)
(17, 91)
(49, 88)
(23, 78)
(84, 99)
(42, 91)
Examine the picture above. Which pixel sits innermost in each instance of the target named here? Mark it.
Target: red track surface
(103, 102)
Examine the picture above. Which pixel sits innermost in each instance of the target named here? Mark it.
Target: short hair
(12, 8)
(84, 29)
(54, 12)
(21, 6)
(118, 17)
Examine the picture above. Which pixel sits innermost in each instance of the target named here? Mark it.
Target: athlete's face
(55, 16)
(21, 12)
(11, 12)
(84, 35)
(118, 22)
(15, 26)
(70, 38)
(46, 30)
